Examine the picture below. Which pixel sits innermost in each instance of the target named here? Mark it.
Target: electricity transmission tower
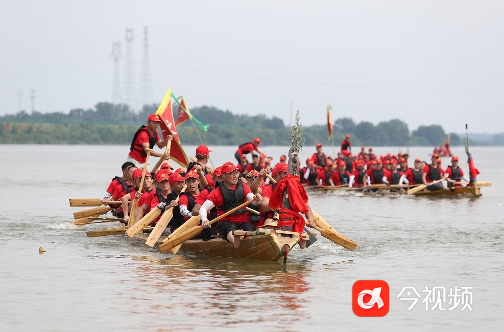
(32, 96)
(129, 73)
(116, 86)
(146, 94)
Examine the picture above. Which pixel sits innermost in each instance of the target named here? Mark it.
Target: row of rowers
(224, 189)
(344, 171)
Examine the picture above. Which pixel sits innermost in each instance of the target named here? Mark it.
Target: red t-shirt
(218, 200)
(119, 192)
(450, 174)
(386, 174)
(267, 190)
(146, 199)
(183, 200)
(142, 137)
(202, 196)
(336, 178)
(321, 175)
(246, 148)
(426, 170)
(242, 168)
(112, 186)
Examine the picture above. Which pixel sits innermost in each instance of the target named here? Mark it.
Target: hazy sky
(423, 62)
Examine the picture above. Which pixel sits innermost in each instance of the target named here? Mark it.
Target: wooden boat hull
(262, 244)
(464, 191)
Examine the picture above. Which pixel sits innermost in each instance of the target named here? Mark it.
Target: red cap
(399, 154)
(243, 156)
(318, 145)
(165, 165)
(154, 117)
(435, 155)
(361, 163)
(180, 171)
(228, 167)
(372, 162)
(378, 162)
(341, 163)
(175, 177)
(418, 160)
(217, 171)
(309, 162)
(363, 147)
(360, 157)
(347, 136)
(210, 180)
(393, 161)
(279, 168)
(192, 174)
(454, 158)
(370, 149)
(402, 160)
(257, 140)
(267, 162)
(161, 175)
(346, 152)
(283, 158)
(202, 151)
(262, 156)
(386, 162)
(439, 160)
(137, 174)
(329, 164)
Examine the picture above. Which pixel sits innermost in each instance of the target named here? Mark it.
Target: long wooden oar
(191, 222)
(146, 220)
(337, 238)
(85, 220)
(161, 224)
(477, 183)
(194, 231)
(91, 212)
(162, 160)
(422, 187)
(135, 200)
(109, 231)
(90, 202)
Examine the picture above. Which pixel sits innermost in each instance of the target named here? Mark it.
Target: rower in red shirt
(413, 175)
(120, 186)
(187, 199)
(346, 145)
(433, 172)
(247, 148)
(243, 165)
(358, 175)
(229, 194)
(319, 158)
(394, 175)
(255, 164)
(340, 176)
(145, 138)
(378, 175)
(324, 175)
(134, 193)
(454, 174)
(349, 163)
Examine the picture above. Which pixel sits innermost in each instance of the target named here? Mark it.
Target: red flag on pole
(182, 114)
(167, 125)
(330, 126)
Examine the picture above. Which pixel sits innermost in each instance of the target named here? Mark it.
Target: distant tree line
(115, 124)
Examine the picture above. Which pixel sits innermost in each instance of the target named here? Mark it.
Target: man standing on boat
(247, 148)
(319, 158)
(230, 193)
(145, 138)
(431, 173)
(346, 144)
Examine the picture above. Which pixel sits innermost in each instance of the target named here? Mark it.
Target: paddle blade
(160, 227)
(178, 240)
(334, 236)
(85, 202)
(190, 223)
(417, 189)
(107, 231)
(91, 212)
(146, 220)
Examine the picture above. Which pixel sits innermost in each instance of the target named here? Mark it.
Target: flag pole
(334, 149)
(201, 140)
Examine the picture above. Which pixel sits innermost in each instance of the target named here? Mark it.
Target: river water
(112, 283)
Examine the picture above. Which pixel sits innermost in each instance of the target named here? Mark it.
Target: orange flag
(330, 126)
(182, 115)
(167, 125)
